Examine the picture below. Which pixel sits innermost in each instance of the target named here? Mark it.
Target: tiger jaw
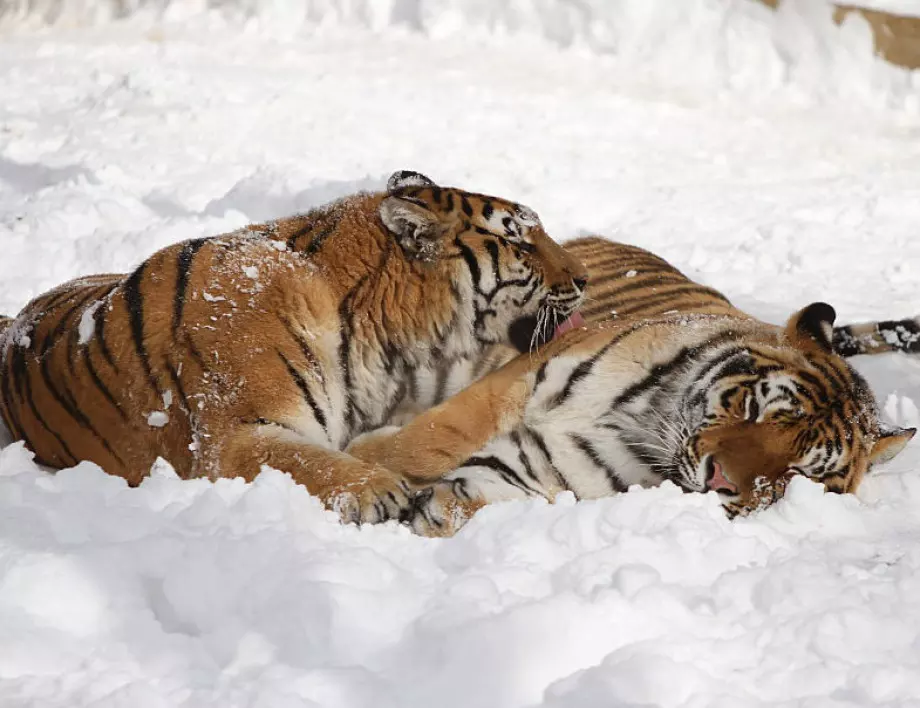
(532, 331)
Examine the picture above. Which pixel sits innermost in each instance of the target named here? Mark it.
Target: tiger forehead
(473, 203)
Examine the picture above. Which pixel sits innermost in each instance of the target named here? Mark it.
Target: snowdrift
(737, 45)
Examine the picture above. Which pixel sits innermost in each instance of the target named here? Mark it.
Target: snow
(157, 419)
(87, 326)
(742, 146)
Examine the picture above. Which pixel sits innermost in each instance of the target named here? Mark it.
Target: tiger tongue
(574, 321)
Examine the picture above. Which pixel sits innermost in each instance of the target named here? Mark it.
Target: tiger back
(281, 342)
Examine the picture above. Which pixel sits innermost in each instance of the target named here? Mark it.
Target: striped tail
(878, 337)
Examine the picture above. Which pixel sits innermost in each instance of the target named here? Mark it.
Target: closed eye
(525, 246)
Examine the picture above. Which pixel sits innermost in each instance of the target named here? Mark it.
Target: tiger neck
(396, 315)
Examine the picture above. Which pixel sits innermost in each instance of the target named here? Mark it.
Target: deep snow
(778, 176)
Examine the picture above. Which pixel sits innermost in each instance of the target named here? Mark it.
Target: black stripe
(471, 263)
(65, 400)
(63, 320)
(134, 300)
(440, 385)
(588, 449)
(307, 352)
(636, 282)
(638, 448)
(304, 387)
(97, 381)
(345, 333)
(413, 385)
(324, 219)
(492, 248)
(541, 375)
(507, 473)
(817, 387)
(23, 380)
(183, 270)
(584, 368)
(396, 401)
(538, 440)
(636, 304)
(53, 300)
(624, 262)
(660, 371)
(715, 362)
(193, 349)
(12, 421)
(523, 457)
(682, 307)
(266, 421)
(837, 376)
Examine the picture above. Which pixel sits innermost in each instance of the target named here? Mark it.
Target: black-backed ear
(416, 228)
(890, 443)
(407, 178)
(813, 324)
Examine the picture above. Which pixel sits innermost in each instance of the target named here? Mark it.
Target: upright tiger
(278, 344)
(668, 381)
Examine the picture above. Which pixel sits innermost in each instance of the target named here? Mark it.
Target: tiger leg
(442, 438)
(359, 491)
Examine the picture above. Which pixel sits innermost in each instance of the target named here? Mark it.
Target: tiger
(663, 379)
(280, 343)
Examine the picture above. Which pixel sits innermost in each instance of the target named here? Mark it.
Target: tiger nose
(580, 282)
(716, 479)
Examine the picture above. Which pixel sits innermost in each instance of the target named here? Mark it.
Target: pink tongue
(573, 322)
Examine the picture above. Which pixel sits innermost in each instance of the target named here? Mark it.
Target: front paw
(442, 509)
(381, 496)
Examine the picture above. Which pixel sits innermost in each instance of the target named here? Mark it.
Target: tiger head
(502, 260)
(759, 414)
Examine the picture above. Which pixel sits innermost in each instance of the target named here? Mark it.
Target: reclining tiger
(666, 381)
(278, 344)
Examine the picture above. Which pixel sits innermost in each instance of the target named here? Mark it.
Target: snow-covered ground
(743, 146)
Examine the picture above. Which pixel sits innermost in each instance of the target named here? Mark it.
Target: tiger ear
(416, 228)
(890, 444)
(407, 178)
(813, 325)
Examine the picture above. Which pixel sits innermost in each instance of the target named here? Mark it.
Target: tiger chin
(282, 342)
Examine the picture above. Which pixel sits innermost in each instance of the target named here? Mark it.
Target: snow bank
(735, 45)
(192, 594)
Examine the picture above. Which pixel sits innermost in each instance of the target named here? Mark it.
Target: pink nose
(718, 481)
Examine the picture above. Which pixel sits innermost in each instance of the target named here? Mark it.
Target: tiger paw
(379, 497)
(442, 509)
